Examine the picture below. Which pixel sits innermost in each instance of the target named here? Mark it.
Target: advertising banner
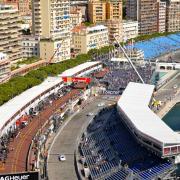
(20, 176)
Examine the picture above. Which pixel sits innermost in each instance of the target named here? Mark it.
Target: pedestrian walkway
(169, 104)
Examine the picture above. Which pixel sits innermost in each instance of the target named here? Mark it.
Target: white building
(130, 29)
(30, 45)
(51, 21)
(5, 70)
(87, 38)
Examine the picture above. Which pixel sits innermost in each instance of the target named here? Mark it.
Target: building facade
(51, 21)
(5, 69)
(173, 16)
(30, 46)
(87, 38)
(114, 9)
(75, 16)
(22, 5)
(130, 30)
(161, 16)
(115, 29)
(10, 41)
(145, 12)
(100, 11)
(97, 11)
(131, 9)
(147, 16)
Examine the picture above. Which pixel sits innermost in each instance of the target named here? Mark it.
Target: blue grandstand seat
(107, 149)
(158, 46)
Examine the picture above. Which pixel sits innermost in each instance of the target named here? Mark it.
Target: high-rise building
(75, 16)
(145, 12)
(5, 69)
(114, 9)
(161, 16)
(97, 11)
(102, 10)
(22, 5)
(173, 16)
(81, 4)
(115, 29)
(51, 21)
(10, 35)
(131, 9)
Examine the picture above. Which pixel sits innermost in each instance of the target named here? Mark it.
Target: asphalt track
(66, 142)
(16, 160)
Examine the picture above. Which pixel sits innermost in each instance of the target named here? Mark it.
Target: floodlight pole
(129, 60)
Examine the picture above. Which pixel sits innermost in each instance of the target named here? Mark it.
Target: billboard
(20, 176)
(76, 79)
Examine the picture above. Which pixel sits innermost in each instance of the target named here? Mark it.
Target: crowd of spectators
(117, 79)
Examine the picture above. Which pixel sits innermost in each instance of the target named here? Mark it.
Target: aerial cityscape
(89, 89)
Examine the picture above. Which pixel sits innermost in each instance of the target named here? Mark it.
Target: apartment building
(75, 16)
(97, 11)
(51, 21)
(114, 9)
(102, 10)
(115, 29)
(87, 38)
(30, 46)
(148, 16)
(161, 16)
(145, 12)
(5, 70)
(22, 5)
(130, 29)
(10, 41)
(173, 16)
(131, 9)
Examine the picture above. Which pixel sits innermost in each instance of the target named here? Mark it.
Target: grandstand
(110, 152)
(158, 46)
(117, 78)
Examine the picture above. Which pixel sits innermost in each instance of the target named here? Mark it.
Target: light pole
(129, 60)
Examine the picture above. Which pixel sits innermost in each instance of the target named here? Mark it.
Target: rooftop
(134, 103)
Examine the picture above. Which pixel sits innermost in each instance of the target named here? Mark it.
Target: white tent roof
(8, 109)
(72, 71)
(12, 106)
(134, 103)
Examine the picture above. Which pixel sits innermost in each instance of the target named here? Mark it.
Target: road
(16, 160)
(66, 142)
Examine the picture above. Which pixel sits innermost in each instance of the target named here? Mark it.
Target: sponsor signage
(76, 79)
(112, 92)
(20, 176)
